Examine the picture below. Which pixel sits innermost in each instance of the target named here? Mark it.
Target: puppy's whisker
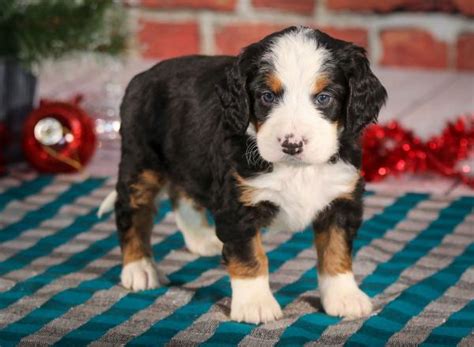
(251, 153)
(255, 157)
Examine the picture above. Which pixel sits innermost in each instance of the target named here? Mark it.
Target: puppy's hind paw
(207, 246)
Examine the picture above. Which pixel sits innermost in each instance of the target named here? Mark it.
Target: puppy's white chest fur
(302, 192)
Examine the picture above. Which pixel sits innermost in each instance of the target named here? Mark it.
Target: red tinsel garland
(392, 150)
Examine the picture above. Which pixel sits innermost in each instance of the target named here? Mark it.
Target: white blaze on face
(298, 62)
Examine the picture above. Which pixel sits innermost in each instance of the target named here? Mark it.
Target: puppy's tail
(107, 204)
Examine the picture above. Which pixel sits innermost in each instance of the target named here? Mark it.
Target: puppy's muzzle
(292, 146)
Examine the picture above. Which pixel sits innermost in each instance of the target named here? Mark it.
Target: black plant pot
(17, 92)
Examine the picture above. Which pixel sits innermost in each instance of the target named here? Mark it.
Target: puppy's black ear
(367, 94)
(235, 101)
(233, 92)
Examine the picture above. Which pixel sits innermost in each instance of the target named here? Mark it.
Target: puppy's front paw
(348, 304)
(140, 275)
(340, 296)
(256, 309)
(253, 302)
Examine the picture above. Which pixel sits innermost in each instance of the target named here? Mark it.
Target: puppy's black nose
(292, 148)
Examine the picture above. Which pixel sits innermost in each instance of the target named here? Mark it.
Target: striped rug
(60, 266)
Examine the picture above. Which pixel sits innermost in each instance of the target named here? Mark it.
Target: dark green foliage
(32, 30)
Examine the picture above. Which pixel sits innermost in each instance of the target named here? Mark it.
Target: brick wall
(434, 34)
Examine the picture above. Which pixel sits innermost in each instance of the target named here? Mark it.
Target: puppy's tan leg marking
(334, 256)
(257, 265)
(340, 295)
(199, 236)
(252, 299)
(139, 270)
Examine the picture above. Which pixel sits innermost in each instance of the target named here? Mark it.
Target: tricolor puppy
(267, 139)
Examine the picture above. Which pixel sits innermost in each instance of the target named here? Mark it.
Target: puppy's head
(297, 91)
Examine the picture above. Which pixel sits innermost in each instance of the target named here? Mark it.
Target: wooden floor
(421, 100)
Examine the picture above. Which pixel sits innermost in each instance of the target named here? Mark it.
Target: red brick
(413, 48)
(164, 39)
(298, 6)
(232, 38)
(220, 5)
(465, 51)
(363, 5)
(358, 36)
(465, 6)
(395, 5)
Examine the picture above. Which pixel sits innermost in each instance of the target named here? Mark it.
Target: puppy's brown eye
(268, 98)
(323, 99)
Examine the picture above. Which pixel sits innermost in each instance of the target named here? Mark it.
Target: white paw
(199, 236)
(253, 302)
(341, 297)
(206, 246)
(140, 275)
(349, 304)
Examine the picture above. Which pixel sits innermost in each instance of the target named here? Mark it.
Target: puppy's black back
(170, 115)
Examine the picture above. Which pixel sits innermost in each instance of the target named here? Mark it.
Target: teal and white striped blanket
(60, 266)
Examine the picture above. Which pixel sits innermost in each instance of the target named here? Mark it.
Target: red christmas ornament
(59, 137)
(392, 150)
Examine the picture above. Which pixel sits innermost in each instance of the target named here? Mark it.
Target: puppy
(267, 139)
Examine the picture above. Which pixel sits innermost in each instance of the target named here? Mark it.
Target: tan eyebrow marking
(320, 83)
(274, 83)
